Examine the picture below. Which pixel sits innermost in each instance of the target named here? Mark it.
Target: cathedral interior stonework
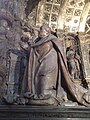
(69, 22)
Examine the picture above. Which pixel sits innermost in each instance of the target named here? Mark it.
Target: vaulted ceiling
(74, 15)
(69, 15)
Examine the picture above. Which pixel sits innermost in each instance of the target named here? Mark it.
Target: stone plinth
(16, 112)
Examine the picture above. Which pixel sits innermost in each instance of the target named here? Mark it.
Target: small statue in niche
(73, 62)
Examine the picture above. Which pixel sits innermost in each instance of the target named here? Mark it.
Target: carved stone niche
(74, 40)
(85, 48)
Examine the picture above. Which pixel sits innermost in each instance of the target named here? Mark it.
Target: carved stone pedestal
(20, 112)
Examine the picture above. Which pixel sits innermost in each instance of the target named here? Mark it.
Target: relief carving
(37, 71)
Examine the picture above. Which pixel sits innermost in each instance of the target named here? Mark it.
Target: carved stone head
(45, 30)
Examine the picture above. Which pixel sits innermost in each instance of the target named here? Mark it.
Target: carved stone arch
(84, 17)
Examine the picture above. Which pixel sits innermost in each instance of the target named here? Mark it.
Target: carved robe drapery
(47, 73)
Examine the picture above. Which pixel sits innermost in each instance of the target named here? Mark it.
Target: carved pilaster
(85, 48)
